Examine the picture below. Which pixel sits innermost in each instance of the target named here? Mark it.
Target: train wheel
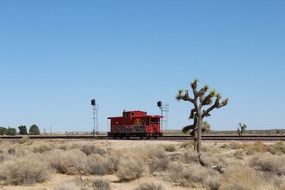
(141, 137)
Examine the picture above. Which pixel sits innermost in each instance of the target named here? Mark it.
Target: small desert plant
(189, 157)
(151, 186)
(158, 160)
(67, 162)
(169, 147)
(186, 145)
(68, 185)
(24, 170)
(25, 140)
(129, 168)
(269, 163)
(243, 178)
(277, 148)
(190, 175)
(101, 184)
(42, 147)
(99, 165)
(238, 154)
(234, 145)
(257, 147)
(92, 149)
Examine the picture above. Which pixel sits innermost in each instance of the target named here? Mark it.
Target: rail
(168, 137)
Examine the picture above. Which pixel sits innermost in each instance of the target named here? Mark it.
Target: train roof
(136, 114)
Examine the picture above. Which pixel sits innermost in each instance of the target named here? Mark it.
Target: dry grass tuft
(244, 178)
(130, 167)
(257, 147)
(190, 157)
(41, 147)
(25, 140)
(193, 175)
(70, 162)
(169, 147)
(101, 184)
(158, 160)
(151, 186)
(24, 170)
(99, 165)
(269, 163)
(92, 149)
(186, 145)
(278, 148)
(68, 185)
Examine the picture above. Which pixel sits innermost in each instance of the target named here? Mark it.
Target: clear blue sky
(55, 56)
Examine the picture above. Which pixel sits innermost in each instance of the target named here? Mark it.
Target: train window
(154, 120)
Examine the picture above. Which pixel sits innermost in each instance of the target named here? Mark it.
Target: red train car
(135, 124)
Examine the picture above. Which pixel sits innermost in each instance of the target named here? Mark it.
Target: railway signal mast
(164, 113)
(95, 117)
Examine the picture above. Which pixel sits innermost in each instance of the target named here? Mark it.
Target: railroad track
(168, 137)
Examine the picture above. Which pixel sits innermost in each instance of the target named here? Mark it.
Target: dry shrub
(92, 149)
(257, 147)
(151, 186)
(25, 140)
(243, 178)
(68, 185)
(278, 148)
(41, 147)
(214, 160)
(193, 175)
(66, 147)
(114, 158)
(24, 170)
(169, 147)
(186, 145)
(158, 159)
(238, 154)
(130, 167)
(269, 163)
(234, 145)
(101, 184)
(99, 165)
(67, 162)
(189, 157)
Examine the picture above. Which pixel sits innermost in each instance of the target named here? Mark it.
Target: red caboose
(135, 124)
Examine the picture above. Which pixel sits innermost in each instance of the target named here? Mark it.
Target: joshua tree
(204, 102)
(241, 129)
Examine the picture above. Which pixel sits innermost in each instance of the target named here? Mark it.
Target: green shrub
(34, 130)
(3, 131)
(11, 131)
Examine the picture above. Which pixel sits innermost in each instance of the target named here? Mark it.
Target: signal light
(93, 102)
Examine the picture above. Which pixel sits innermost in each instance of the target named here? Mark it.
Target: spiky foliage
(204, 102)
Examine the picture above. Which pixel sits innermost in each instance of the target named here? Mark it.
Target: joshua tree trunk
(199, 135)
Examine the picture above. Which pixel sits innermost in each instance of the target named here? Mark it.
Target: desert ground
(140, 165)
